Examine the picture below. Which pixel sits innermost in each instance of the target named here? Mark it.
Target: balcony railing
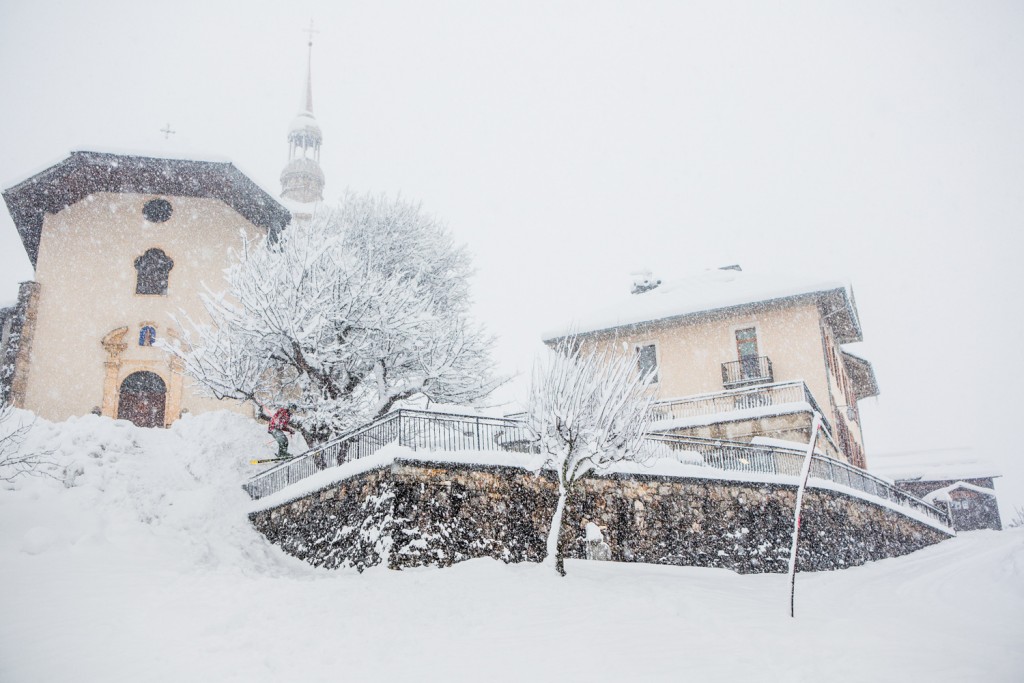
(704, 405)
(746, 371)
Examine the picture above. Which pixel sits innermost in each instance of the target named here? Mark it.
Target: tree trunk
(554, 545)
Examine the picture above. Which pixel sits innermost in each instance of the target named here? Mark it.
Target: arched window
(147, 335)
(153, 269)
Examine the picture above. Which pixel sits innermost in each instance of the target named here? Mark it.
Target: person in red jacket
(279, 426)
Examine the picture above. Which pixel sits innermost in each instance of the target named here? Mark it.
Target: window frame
(637, 346)
(141, 262)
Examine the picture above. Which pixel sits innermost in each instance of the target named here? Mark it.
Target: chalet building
(121, 245)
(951, 477)
(743, 356)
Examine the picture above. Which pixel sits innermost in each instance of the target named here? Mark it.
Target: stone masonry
(416, 513)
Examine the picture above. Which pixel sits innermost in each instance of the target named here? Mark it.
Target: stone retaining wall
(423, 513)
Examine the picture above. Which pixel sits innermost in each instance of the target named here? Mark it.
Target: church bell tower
(302, 180)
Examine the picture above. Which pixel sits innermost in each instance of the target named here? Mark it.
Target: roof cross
(166, 130)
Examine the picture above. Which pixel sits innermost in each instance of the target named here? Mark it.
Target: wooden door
(143, 399)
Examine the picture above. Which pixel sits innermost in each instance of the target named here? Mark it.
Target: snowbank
(138, 564)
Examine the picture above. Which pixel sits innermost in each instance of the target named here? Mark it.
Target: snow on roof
(715, 290)
(938, 464)
(84, 173)
(943, 493)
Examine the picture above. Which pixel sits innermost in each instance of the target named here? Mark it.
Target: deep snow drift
(139, 565)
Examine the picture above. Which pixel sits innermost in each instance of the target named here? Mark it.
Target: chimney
(644, 281)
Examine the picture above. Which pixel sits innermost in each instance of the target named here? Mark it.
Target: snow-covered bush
(347, 314)
(585, 413)
(16, 461)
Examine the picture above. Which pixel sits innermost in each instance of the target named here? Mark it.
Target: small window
(647, 361)
(965, 504)
(147, 335)
(153, 268)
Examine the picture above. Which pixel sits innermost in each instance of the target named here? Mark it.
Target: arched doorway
(142, 399)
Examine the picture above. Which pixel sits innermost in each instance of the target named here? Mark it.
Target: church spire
(302, 180)
(309, 71)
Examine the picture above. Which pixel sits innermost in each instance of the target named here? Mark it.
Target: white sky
(569, 143)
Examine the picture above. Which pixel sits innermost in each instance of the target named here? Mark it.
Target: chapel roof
(84, 173)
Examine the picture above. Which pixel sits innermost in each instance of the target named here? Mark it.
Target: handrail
(731, 400)
(419, 429)
(416, 429)
(736, 456)
(747, 370)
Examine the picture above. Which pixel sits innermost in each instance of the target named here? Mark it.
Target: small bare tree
(1018, 518)
(586, 412)
(14, 462)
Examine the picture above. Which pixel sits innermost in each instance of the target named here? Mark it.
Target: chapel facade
(123, 247)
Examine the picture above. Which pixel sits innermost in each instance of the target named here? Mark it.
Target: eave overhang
(84, 173)
(861, 374)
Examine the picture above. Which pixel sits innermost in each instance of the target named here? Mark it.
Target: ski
(261, 461)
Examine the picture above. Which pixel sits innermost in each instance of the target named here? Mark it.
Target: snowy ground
(147, 570)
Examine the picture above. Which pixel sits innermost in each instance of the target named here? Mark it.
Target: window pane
(746, 342)
(647, 361)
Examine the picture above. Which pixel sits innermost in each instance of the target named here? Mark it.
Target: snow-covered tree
(586, 411)
(347, 314)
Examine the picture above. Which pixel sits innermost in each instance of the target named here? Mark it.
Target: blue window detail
(147, 335)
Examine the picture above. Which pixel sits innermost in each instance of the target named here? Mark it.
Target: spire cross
(166, 130)
(309, 68)
(310, 31)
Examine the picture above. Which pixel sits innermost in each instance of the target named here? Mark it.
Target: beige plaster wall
(841, 388)
(691, 352)
(87, 279)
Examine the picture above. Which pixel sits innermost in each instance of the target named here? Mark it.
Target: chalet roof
(722, 291)
(940, 464)
(84, 173)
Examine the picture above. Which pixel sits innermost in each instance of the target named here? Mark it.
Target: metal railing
(733, 400)
(747, 370)
(416, 429)
(735, 456)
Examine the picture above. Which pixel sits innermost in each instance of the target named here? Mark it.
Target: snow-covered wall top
(710, 291)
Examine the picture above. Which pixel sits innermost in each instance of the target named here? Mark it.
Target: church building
(123, 245)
